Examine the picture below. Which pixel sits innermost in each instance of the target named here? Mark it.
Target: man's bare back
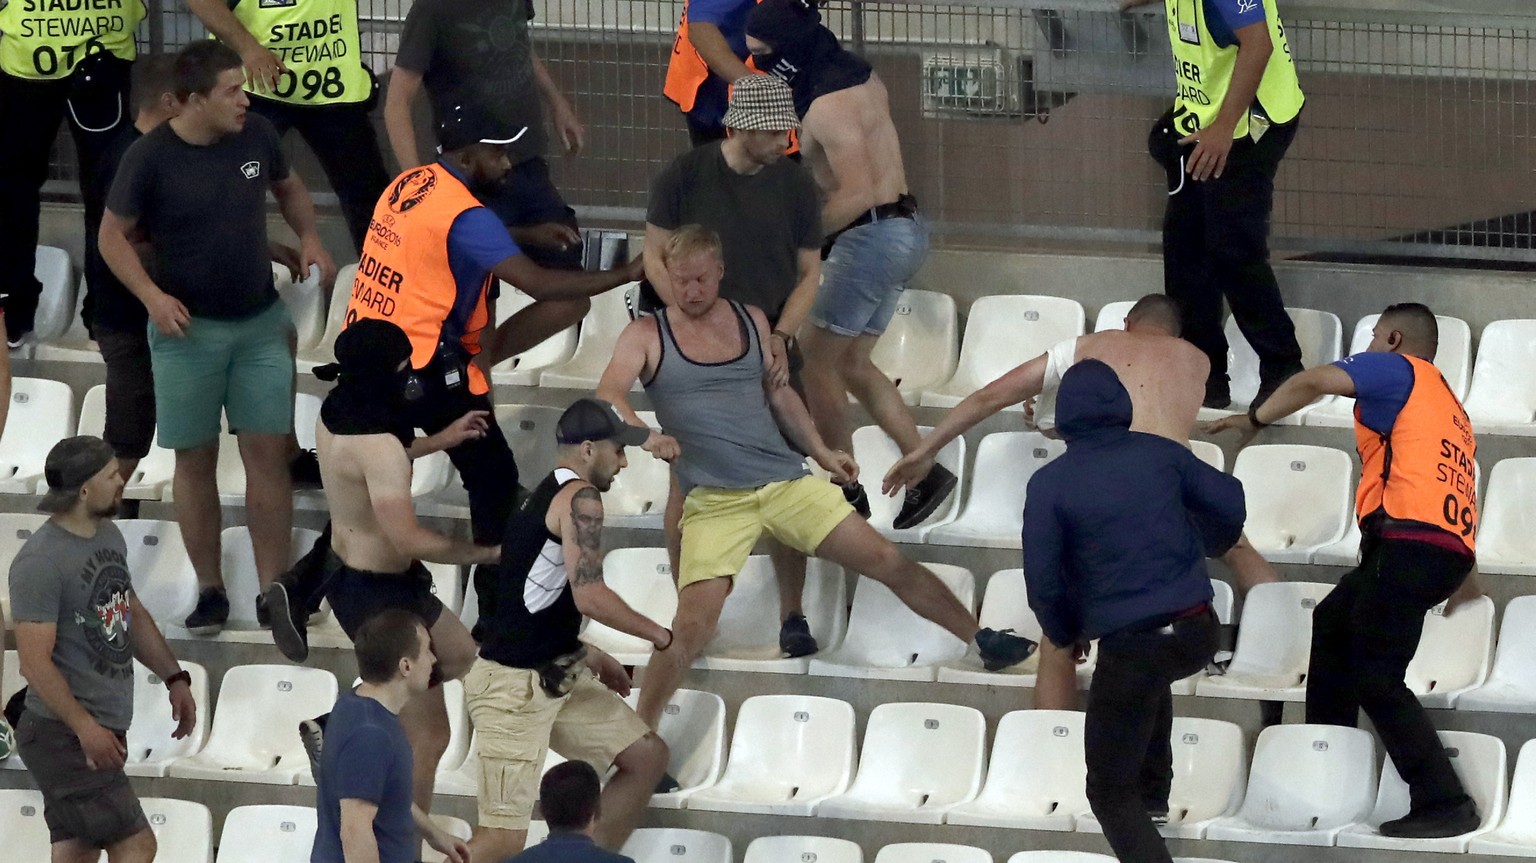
(1165, 376)
(853, 151)
(356, 536)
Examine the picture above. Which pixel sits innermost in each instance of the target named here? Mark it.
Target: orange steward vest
(1424, 471)
(403, 276)
(687, 72)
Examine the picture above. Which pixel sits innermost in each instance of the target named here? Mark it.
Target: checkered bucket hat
(761, 103)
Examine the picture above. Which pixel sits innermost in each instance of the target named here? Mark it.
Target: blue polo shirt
(477, 242)
(1225, 17)
(366, 757)
(568, 848)
(1383, 382)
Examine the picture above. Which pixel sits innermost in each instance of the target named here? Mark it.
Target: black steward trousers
(1128, 722)
(1364, 634)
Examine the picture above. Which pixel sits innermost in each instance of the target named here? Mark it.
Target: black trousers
(528, 197)
(344, 140)
(485, 464)
(1216, 245)
(1364, 634)
(1129, 718)
(32, 111)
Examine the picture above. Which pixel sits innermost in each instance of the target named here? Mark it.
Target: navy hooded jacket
(1116, 530)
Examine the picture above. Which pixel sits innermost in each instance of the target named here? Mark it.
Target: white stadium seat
(993, 515)
(594, 346)
(1454, 653)
(1502, 398)
(1511, 686)
(151, 748)
(1506, 534)
(267, 834)
(1320, 335)
(1515, 836)
(161, 571)
(1454, 358)
(154, 472)
(1006, 606)
(15, 529)
(931, 852)
(888, 641)
(638, 496)
(183, 830)
(1209, 453)
(74, 344)
(1222, 602)
(323, 350)
(875, 452)
(643, 578)
(805, 849)
(462, 779)
(21, 823)
(1112, 316)
(56, 304)
(456, 827)
(747, 638)
(668, 845)
(1035, 780)
(1002, 332)
(693, 726)
(231, 467)
(238, 563)
(1299, 498)
(1210, 766)
(1479, 760)
(11, 682)
(788, 753)
(306, 303)
(255, 736)
(918, 350)
(1274, 644)
(1306, 785)
(525, 368)
(1059, 857)
(459, 749)
(899, 779)
(42, 413)
(530, 432)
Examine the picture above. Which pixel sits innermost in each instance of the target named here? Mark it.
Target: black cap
(71, 464)
(595, 419)
(462, 126)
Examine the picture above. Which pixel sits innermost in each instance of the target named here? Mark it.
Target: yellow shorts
(517, 723)
(721, 525)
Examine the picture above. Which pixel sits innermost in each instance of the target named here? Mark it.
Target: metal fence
(1024, 121)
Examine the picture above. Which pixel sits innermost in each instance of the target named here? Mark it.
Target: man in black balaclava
(875, 240)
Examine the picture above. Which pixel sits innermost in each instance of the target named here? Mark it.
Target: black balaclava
(805, 53)
(370, 395)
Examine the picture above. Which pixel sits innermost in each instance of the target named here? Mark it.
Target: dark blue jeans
(1129, 718)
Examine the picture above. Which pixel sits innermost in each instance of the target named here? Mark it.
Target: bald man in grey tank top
(736, 439)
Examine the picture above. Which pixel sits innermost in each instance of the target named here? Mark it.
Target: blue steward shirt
(730, 17)
(477, 242)
(1382, 384)
(365, 757)
(1225, 17)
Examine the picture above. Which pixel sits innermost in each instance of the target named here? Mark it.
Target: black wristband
(671, 637)
(1253, 415)
(179, 677)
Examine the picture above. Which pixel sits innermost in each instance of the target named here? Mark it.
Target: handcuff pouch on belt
(558, 675)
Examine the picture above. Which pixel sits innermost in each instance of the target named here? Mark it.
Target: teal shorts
(242, 368)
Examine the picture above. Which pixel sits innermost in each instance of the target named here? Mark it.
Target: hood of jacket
(1091, 400)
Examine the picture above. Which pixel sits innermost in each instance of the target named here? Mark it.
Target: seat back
(530, 431)
(1298, 495)
(1209, 453)
(552, 351)
(306, 303)
(324, 349)
(876, 452)
(673, 845)
(1516, 658)
(1520, 814)
(238, 564)
(693, 726)
(149, 735)
(1210, 766)
(267, 834)
(642, 487)
(931, 852)
(918, 349)
(1310, 777)
(1453, 356)
(1479, 760)
(1506, 530)
(56, 303)
(1503, 386)
(1275, 635)
(1222, 600)
(896, 764)
(162, 573)
(1006, 605)
(458, 726)
(804, 849)
(256, 722)
(745, 632)
(1059, 857)
(1005, 331)
(884, 632)
(1037, 763)
(1004, 463)
(22, 826)
(41, 414)
(803, 742)
(1454, 651)
(642, 577)
(1320, 335)
(1112, 316)
(183, 829)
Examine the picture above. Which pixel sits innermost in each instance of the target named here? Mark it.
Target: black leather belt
(904, 207)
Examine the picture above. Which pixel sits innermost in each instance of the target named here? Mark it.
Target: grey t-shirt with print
(82, 585)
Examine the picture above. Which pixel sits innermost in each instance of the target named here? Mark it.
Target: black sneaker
(211, 613)
(854, 493)
(667, 784)
(1218, 394)
(304, 470)
(925, 497)
(290, 629)
(263, 617)
(312, 735)
(1002, 649)
(795, 637)
(1436, 822)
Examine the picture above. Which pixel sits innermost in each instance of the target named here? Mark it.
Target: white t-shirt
(1058, 359)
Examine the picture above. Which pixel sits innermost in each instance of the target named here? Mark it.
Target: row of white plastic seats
(674, 845)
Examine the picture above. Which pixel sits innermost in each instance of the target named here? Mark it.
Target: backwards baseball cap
(71, 464)
(595, 419)
(761, 103)
(462, 126)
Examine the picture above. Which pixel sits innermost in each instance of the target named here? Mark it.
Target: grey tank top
(720, 416)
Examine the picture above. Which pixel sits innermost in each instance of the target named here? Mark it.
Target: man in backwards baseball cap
(596, 420)
(71, 465)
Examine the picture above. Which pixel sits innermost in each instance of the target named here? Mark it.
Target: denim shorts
(865, 273)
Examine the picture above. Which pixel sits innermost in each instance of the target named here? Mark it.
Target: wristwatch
(179, 677)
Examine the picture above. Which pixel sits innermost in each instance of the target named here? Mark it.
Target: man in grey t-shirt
(79, 626)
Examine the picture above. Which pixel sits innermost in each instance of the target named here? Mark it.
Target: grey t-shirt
(82, 585)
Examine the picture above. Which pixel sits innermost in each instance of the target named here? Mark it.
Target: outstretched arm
(542, 283)
(632, 356)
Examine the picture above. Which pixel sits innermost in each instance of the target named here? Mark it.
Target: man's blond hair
(691, 240)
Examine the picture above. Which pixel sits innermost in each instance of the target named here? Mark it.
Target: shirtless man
(738, 440)
(875, 240)
(376, 542)
(1165, 376)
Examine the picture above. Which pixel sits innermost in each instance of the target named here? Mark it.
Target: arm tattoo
(587, 521)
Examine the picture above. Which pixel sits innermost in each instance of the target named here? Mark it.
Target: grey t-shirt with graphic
(82, 585)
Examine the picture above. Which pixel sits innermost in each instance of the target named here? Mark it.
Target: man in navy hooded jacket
(1116, 533)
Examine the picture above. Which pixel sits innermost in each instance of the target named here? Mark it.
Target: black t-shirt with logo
(204, 209)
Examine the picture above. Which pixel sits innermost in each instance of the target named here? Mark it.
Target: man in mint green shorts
(220, 341)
